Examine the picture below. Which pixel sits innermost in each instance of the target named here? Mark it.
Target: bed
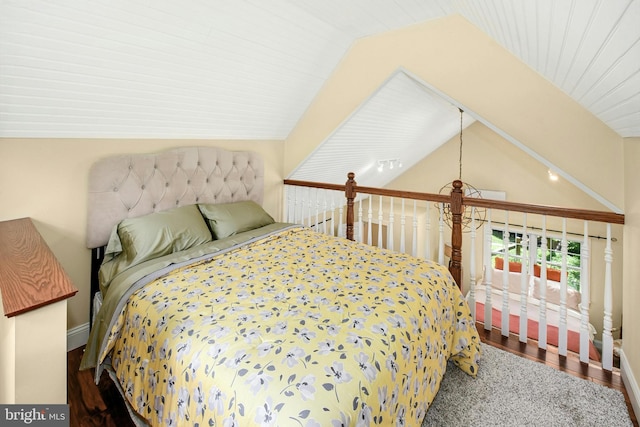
(533, 295)
(210, 312)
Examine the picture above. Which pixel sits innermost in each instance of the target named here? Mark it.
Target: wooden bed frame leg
(350, 194)
(456, 232)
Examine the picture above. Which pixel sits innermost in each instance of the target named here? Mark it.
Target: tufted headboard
(133, 185)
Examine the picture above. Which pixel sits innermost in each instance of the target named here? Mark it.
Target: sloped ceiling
(399, 125)
(248, 69)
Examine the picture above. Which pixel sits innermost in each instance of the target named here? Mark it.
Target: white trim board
(630, 383)
(77, 337)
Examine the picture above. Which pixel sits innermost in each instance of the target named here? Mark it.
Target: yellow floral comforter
(297, 329)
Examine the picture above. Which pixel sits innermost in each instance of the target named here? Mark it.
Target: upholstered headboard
(128, 186)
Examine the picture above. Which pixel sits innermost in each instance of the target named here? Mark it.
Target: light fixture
(389, 164)
(469, 191)
(552, 175)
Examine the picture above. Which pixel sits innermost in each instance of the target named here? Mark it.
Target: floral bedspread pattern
(293, 330)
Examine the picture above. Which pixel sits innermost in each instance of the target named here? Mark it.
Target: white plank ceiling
(248, 69)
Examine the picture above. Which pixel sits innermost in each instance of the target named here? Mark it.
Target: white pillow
(553, 294)
(514, 280)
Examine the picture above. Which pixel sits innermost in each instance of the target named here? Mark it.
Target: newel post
(350, 194)
(456, 232)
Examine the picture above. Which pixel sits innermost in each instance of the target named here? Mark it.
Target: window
(553, 255)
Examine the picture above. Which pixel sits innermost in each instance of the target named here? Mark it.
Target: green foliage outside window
(553, 254)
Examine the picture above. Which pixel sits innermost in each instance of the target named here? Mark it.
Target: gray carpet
(513, 391)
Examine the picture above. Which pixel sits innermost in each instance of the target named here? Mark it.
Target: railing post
(350, 194)
(472, 266)
(504, 313)
(456, 232)
(607, 322)
(527, 274)
(585, 300)
(488, 276)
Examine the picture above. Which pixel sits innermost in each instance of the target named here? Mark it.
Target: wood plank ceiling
(248, 69)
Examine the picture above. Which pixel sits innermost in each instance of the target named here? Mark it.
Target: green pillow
(162, 233)
(227, 219)
(136, 240)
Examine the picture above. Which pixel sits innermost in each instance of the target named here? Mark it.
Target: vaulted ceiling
(248, 69)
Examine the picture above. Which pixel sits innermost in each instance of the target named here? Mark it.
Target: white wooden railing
(416, 223)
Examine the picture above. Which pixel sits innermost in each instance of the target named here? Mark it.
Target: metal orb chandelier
(469, 213)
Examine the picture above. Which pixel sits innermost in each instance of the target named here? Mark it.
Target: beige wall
(631, 289)
(458, 59)
(33, 354)
(492, 163)
(7, 358)
(46, 179)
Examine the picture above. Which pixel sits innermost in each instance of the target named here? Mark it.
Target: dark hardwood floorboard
(91, 404)
(102, 405)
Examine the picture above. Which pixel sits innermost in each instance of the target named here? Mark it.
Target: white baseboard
(77, 337)
(630, 383)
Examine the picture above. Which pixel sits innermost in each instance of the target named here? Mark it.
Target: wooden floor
(102, 405)
(91, 404)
